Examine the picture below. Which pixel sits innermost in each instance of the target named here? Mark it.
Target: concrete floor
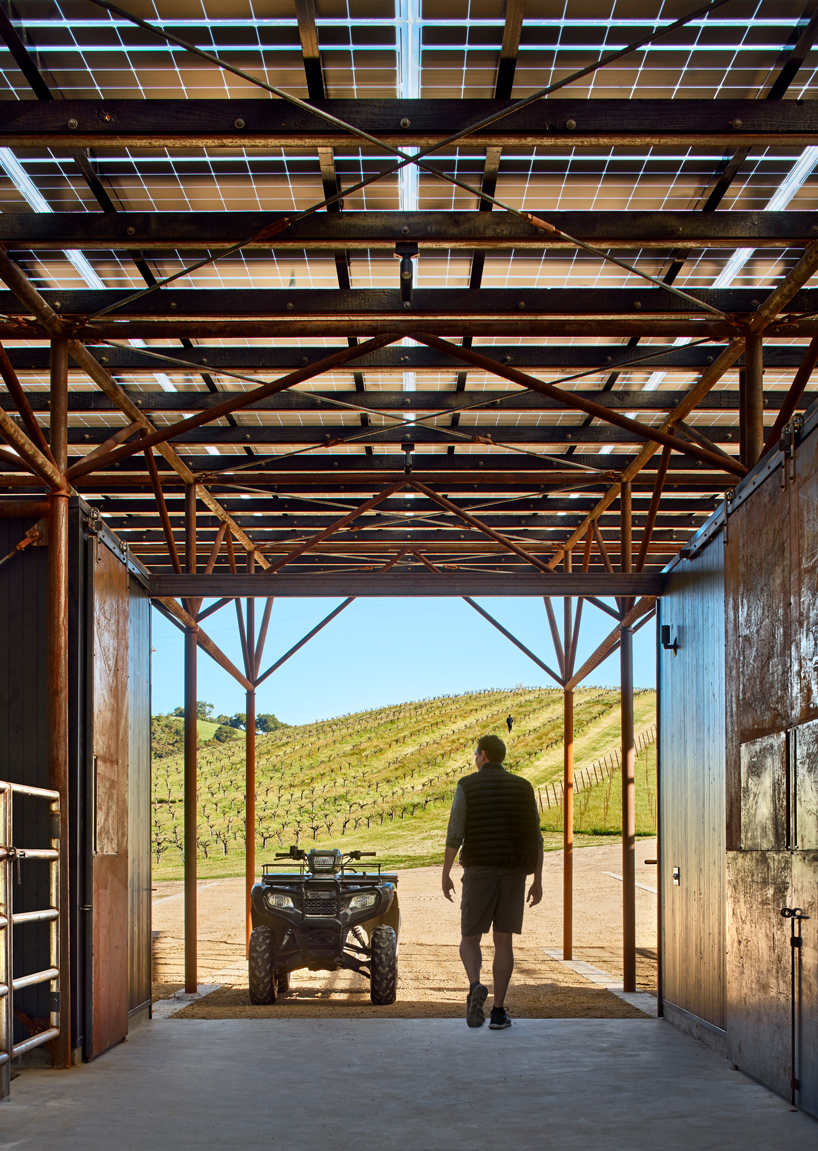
(412, 1085)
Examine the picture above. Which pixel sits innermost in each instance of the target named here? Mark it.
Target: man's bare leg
(472, 956)
(503, 965)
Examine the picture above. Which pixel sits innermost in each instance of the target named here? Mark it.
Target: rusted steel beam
(174, 611)
(236, 531)
(590, 407)
(796, 390)
(293, 553)
(162, 508)
(25, 291)
(104, 449)
(17, 393)
(24, 509)
(753, 407)
(611, 641)
(510, 545)
(214, 607)
(374, 583)
(600, 543)
(628, 812)
(526, 651)
(761, 321)
(177, 123)
(258, 650)
(236, 403)
(30, 455)
(183, 231)
(695, 435)
(296, 647)
(555, 635)
(653, 510)
(58, 685)
(245, 647)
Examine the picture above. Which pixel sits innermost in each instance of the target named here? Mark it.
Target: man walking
(494, 818)
(509, 723)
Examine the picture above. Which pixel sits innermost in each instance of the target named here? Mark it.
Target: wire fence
(552, 794)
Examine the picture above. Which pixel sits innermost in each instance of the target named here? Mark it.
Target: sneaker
(499, 1019)
(475, 1015)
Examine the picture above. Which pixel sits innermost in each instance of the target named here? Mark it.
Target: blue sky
(382, 651)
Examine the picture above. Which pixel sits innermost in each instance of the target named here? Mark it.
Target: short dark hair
(493, 746)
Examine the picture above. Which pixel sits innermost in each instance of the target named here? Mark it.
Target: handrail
(12, 856)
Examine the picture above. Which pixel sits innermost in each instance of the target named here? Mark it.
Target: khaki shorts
(492, 898)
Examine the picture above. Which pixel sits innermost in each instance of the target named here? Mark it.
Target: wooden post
(568, 793)
(754, 400)
(628, 814)
(191, 736)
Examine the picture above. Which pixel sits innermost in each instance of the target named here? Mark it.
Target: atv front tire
(262, 955)
(384, 966)
(282, 982)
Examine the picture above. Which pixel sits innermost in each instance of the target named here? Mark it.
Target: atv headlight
(362, 901)
(322, 862)
(277, 902)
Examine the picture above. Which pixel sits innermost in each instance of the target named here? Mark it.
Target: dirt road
(432, 982)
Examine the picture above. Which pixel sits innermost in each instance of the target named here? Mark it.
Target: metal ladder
(10, 859)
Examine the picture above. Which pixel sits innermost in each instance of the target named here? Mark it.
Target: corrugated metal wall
(692, 794)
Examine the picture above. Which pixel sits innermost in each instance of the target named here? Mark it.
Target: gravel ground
(431, 978)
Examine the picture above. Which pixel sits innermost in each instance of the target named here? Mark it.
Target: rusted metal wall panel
(139, 805)
(805, 830)
(758, 965)
(805, 895)
(772, 773)
(109, 1022)
(764, 793)
(692, 795)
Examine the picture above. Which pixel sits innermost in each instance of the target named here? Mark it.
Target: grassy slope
(394, 768)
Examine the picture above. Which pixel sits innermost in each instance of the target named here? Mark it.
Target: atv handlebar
(298, 853)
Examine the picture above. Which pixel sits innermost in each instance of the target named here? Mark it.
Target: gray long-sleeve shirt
(456, 831)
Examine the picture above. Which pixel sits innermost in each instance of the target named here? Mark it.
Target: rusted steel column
(568, 826)
(58, 677)
(754, 399)
(191, 736)
(250, 803)
(628, 813)
(626, 527)
(58, 403)
(568, 794)
(250, 756)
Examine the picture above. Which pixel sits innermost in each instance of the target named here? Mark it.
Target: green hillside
(380, 780)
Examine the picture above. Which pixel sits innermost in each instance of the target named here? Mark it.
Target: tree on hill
(268, 722)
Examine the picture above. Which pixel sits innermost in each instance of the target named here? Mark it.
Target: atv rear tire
(384, 966)
(282, 982)
(262, 953)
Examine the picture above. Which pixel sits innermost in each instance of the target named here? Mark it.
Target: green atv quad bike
(327, 916)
